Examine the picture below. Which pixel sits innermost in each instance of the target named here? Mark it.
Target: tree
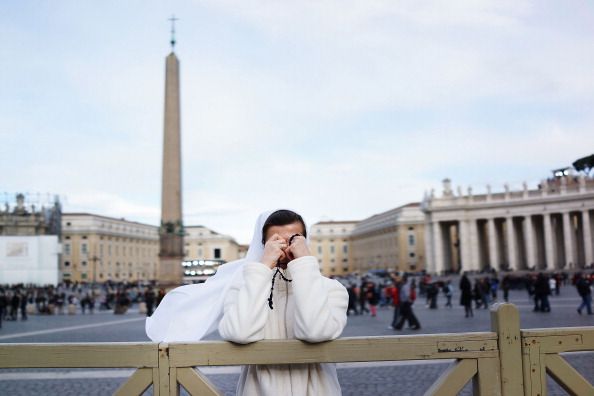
(585, 164)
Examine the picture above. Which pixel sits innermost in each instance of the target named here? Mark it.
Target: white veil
(189, 313)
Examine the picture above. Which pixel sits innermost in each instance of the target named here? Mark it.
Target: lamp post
(94, 259)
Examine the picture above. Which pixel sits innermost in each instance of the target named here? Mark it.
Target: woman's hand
(298, 248)
(274, 250)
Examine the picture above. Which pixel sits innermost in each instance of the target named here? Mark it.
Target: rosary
(278, 272)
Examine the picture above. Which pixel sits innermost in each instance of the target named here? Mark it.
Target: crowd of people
(20, 300)
(366, 293)
(476, 292)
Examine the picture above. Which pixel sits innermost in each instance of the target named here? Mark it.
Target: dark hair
(280, 218)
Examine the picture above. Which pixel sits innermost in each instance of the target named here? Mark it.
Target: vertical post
(493, 252)
(505, 321)
(163, 388)
(568, 239)
(511, 244)
(475, 256)
(429, 247)
(438, 243)
(464, 240)
(529, 242)
(587, 237)
(549, 242)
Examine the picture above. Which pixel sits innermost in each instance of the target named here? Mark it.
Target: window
(411, 255)
(83, 275)
(84, 249)
(84, 263)
(66, 263)
(332, 249)
(217, 253)
(319, 250)
(345, 249)
(411, 240)
(67, 249)
(84, 237)
(199, 252)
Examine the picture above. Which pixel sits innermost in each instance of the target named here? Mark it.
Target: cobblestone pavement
(398, 378)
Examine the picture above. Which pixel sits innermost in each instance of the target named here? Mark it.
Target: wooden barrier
(505, 361)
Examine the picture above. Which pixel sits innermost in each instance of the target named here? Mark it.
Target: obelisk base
(170, 272)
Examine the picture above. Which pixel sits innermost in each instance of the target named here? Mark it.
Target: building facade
(392, 240)
(98, 248)
(31, 216)
(330, 243)
(548, 228)
(202, 243)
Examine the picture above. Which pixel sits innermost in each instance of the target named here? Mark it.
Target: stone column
(529, 242)
(464, 238)
(493, 251)
(438, 243)
(549, 241)
(568, 241)
(429, 247)
(512, 254)
(474, 245)
(587, 237)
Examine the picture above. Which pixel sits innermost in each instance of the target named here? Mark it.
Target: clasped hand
(277, 250)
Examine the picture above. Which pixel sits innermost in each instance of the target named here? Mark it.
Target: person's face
(286, 232)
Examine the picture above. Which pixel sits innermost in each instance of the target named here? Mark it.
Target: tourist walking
(406, 297)
(466, 295)
(393, 291)
(582, 285)
(149, 299)
(372, 297)
(541, 294)
(352, 307)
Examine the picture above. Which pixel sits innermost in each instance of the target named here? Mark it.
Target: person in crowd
(584, 289)
(149, 299)
(541, 294)
(407, 297)
(363, 297)
(352, 290)
(372, 297)
(432, 291)
(448, 292)
(15, 301)
(3, 305)
(394, 296)
(466, 295)
(24, 300)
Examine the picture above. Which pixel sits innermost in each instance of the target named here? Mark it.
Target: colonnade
(538, 241)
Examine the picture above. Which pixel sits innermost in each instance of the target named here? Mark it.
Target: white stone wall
(545, 228)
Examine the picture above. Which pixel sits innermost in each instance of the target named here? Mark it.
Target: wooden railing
(505, 361)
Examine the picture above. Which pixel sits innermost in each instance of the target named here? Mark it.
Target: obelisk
(171, 231)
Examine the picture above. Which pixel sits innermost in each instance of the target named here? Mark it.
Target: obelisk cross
(173, 19)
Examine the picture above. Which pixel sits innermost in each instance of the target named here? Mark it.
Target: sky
(337, 109)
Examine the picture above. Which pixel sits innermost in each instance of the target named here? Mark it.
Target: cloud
(338, 109)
